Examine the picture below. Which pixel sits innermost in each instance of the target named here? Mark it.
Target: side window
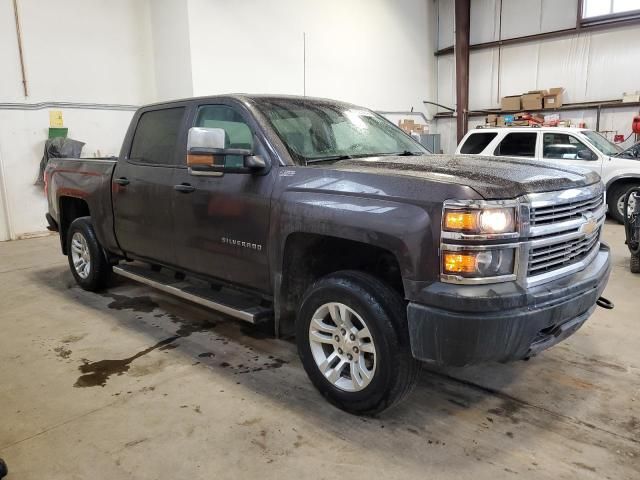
(477, 142)
(237, 132)
(156, 136)
(564, 146)
(517, 144)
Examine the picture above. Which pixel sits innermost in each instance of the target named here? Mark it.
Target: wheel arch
(630, 178)
(310, 256)
(69, 209)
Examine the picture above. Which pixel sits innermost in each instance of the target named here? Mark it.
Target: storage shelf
(565, 108)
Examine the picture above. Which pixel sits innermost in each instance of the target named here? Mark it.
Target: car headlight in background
(478, 263)
(479, 221)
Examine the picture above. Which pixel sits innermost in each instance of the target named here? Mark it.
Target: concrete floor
(136, 384)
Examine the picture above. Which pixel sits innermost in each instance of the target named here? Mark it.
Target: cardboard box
(500, 122)
(511, 102)
(554, 98)
(552, 101)
(410, 126)
(532, 100)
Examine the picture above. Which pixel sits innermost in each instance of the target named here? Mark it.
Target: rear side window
(517, 144)
(156, 136)
(477, 142)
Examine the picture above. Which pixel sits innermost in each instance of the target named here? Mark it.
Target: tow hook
(605, 303)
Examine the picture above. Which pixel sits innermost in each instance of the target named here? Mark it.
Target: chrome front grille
(564, 232)
(557, 255)
(561, 212)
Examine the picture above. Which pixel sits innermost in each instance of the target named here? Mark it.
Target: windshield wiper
(406, 153)
(331, 158)
(334, 158)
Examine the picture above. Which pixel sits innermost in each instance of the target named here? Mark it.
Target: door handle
(122, 181)
(184, 188)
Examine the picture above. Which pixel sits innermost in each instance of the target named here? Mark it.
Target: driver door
(570, 151)
(222, 217)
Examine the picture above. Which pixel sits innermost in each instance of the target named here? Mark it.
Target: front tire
(87, 259)
(353, 341)
(615, 200)
(634, 264)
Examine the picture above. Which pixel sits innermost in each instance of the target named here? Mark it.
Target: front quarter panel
(401, 215)
(615, 168)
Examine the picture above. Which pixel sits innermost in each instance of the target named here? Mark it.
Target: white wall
(597, 66)
(377, 53)
(75, 51)
(172, 52)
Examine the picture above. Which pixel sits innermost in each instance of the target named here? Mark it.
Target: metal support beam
(463, 26)
(590, 27)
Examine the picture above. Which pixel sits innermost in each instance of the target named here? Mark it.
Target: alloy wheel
(342, 347)
(80, 255)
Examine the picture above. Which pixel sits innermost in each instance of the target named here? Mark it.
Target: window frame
(542, 157)
(180, 139)
(262, 143)
(245, 120)
(478, 133)
(606, 18)
(535, 147)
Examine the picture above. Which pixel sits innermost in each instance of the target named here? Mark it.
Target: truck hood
(491, 177)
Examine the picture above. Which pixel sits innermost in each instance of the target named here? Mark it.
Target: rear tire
(381, 371)
(635, 263)
(4, 471)
(87, 258)
(615, 200)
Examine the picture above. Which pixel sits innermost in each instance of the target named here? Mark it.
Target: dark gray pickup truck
(329, 221)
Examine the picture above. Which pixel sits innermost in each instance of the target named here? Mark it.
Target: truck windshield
(315, 131)
(601, 143)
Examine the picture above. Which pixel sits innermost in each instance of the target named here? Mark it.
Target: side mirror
(586, 154)
(254, 162)
(206, 152)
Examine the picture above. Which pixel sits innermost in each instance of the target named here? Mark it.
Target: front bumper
(460, 325)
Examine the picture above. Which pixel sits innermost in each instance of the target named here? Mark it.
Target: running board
(230, 302)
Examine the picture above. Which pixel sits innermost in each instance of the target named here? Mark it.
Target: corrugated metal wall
(594, 66)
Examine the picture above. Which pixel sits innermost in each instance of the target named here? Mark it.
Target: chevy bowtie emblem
(589, 226)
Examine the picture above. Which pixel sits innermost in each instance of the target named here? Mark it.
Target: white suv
(570, 146)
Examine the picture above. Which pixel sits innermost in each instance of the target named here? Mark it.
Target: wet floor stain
(242, 368)
(73, 338)
(96, 374)
(142, 304)
(187, 327)
(507, 409)
(62, 352)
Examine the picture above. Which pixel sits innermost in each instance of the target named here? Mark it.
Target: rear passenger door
(517, 144)
(143, 185)
(567, 149)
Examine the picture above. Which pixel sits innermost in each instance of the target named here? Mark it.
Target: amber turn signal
(457, 262)
(461, 221)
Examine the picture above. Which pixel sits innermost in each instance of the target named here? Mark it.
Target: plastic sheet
(58, 147)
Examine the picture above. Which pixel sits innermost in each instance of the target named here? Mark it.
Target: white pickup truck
(570, 146)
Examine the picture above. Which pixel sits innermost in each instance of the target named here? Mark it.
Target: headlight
(479, 221)
(478, 263)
